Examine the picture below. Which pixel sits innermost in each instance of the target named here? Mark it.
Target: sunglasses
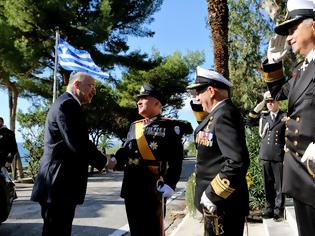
(201, 89)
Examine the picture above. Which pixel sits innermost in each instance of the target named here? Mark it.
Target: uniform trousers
(273, 172)
(57, 218)
(305, 218)
(231, 217)
(144, 214)
(229, 224)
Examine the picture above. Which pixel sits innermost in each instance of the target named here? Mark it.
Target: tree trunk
(13, 98)
(218, 18)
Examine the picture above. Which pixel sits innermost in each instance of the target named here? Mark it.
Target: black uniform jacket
(8, 147)
(222, 159)
(164, 138)
(68, 151)
(271, 133)
(300, 131)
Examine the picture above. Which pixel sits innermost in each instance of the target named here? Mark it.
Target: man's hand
(205, 201)
(277, 48)
(309, 153)
(111, 162)
(166, 190)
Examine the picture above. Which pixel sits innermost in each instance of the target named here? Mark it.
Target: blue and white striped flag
(73, 59)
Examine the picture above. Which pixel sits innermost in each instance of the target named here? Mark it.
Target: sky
(180, 25)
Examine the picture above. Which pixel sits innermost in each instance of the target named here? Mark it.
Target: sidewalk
(193, 226)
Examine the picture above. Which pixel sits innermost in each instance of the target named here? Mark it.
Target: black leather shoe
(278, 218)
(267, 213)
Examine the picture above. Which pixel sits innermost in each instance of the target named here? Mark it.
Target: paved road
(102, 213)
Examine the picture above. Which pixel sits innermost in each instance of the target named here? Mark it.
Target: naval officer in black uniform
(151, 158)
(222, 159)
(271, 130)
(298, 169)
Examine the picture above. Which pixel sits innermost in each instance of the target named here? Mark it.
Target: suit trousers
(144, 214)
(305, 218)
(57, 218)
(273, 172)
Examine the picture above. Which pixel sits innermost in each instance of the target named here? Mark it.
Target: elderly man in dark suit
(62, 178)
(299, 159)
(222, 159)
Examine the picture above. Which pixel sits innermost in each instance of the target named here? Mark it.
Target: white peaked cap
(297, 11)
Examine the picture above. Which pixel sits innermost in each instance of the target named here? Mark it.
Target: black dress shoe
(278, 218)
(267, 213)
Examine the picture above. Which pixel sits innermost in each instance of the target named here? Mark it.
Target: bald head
(82, 85)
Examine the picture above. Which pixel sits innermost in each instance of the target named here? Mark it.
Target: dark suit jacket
(68, 151)
(222, 152)
(300, 131)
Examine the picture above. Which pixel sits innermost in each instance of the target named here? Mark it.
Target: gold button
(268, 143)
(298, 119)
(297, 154)
(276, 131)
(276, 135)
(276, 139)
(296, 131)
(287, 129)
(276, 143)
(295, 143)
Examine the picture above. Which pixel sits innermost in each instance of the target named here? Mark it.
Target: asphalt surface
(103, 212)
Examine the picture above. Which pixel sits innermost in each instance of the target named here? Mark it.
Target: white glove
(205, 201)
(277, 49)
(309, 153)
(259, 106)
(166, 190)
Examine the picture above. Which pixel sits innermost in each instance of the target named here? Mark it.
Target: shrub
(254, 175)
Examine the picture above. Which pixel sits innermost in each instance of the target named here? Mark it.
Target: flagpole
(56, 66)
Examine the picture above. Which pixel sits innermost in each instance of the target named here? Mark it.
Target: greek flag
(73, 59)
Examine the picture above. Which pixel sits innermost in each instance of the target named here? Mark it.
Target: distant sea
(23, 152)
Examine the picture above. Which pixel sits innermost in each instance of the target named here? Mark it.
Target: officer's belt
(140, 162)
(145, 151)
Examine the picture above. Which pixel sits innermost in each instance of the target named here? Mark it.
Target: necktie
(273, 116)
(304, 65)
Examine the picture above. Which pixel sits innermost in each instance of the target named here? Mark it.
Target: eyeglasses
(201, 89)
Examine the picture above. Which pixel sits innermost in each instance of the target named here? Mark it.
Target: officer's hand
(259, 106)
(309, 153)
(166, 190)
(205, 201)
(277, 49)
(111, 162)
